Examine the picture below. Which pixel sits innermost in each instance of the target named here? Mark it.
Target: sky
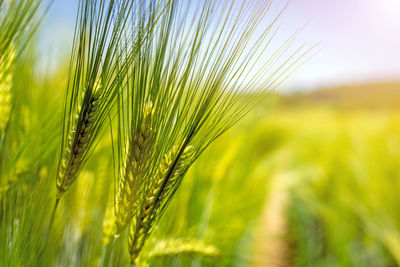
(358, 40)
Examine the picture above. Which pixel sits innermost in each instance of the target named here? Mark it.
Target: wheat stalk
(149, 208)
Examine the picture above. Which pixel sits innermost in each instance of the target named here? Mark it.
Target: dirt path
(271, 248)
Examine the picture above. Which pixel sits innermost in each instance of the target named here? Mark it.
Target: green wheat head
(173, 247)
(6, 76)
(137, 154)
(17, 24)
(150, 205)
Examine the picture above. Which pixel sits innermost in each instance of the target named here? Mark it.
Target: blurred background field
(317, 179)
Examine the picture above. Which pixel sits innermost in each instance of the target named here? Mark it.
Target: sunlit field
(132, 154)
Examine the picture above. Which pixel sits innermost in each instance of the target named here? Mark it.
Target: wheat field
(162, 141)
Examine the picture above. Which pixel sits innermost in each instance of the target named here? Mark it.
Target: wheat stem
(106, 254)
(45, 238)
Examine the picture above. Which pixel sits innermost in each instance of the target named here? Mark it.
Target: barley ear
(174, 247)
(6, 75)
(163, 184)
(77, 143)
(102, 50)
(136, 156)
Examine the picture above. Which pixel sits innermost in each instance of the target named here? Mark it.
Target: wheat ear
(136, 157)
(78, 140)
(5, 89)
(149, 207)
(173, 247)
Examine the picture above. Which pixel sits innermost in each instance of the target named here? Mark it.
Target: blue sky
(359, 40)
